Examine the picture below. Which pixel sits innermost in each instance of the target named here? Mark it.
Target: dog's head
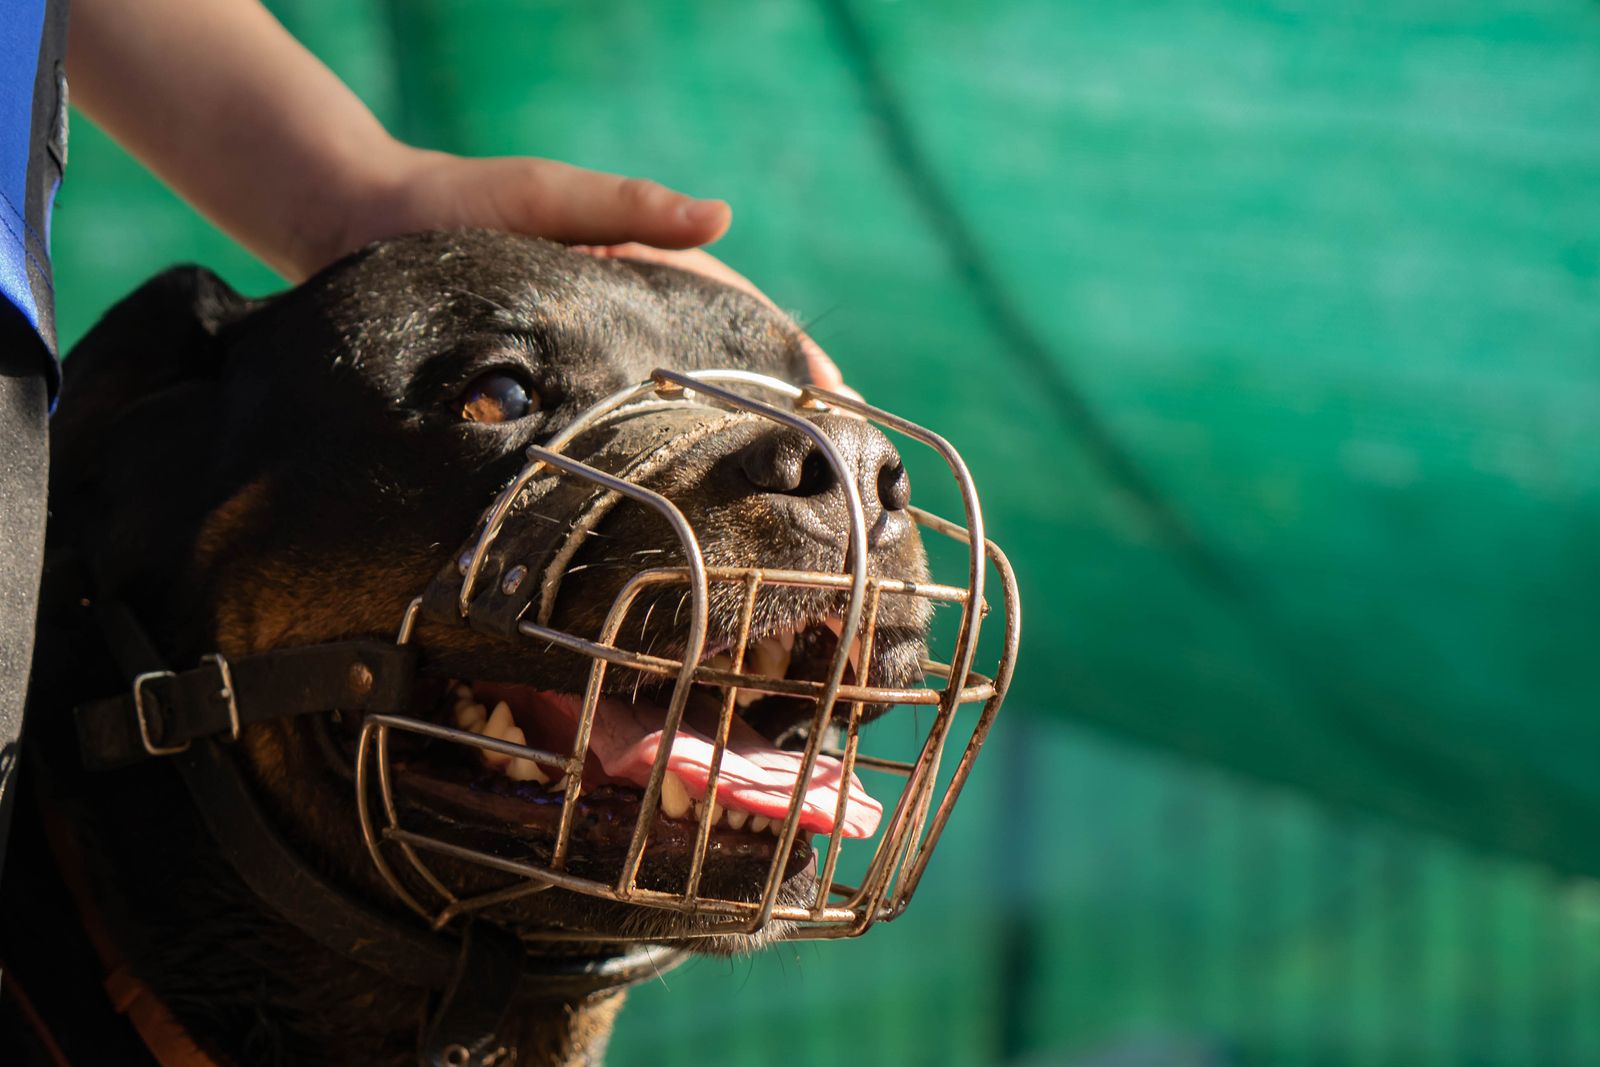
(256, 475)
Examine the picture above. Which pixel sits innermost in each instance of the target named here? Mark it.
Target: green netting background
(1271, 332)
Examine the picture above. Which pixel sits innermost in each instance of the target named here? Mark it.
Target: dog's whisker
(648, 611)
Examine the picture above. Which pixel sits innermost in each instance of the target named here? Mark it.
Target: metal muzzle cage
(896, 855)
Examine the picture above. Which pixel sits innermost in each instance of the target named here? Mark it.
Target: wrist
(355, 200)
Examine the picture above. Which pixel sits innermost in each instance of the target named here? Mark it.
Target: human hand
(824, 371)
(417, 189)
(313, 175)
(601, 214)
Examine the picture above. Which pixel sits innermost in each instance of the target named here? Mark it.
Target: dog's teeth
(737, 818)
(776, 828)
(837, 626)
(499, 760)
(501, 728)
(462, 693)
(674, 797)
(745, 697)
(722, 661)
(759, 823)
(525, 770)
(469, 717)
(768, 656)
(786, 639)
(499, 721)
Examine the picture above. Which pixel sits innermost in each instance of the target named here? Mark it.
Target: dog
(251, 475)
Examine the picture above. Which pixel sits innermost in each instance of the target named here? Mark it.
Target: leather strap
(408, 954)
(216, 699)
(467, 1020)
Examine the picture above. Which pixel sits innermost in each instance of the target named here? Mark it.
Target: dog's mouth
(512, 805)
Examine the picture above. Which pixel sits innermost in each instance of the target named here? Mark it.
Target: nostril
(894, 488)
(816, 477)
(788, 464)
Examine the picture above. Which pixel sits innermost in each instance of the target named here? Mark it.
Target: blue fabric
(21, 24)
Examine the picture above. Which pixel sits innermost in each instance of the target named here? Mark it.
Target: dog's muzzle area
(694, 741)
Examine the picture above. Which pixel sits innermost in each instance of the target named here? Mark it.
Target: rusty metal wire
(900, 850)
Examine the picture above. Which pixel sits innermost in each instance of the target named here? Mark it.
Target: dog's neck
(239, 981)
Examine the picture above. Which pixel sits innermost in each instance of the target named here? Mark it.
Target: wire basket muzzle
(506, 580)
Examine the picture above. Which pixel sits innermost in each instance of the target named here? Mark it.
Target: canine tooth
(837, 626)
(722, 661)
(525, 770)
(501, 728)
(674, 797)
(759, 823)
(769, 657)
(786, 639)
(745, 697)
(500, 722)
(776, 827)
(499, 760)
(737, 818)
(469, 717)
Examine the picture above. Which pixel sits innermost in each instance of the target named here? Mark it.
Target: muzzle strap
(467, 1019)
(166, 711)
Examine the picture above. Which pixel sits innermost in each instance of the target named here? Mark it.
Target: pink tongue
(756, 776)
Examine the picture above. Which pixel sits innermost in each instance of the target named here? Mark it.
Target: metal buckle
(227, 692)
(144, 723)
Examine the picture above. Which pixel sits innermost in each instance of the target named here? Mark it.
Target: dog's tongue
(756, 776)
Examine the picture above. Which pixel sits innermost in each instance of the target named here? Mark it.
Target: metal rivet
(513, 579)
(360, 679)
(457, 1055)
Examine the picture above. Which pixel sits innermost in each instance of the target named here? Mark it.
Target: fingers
(565, 203)
(695, 259)
(824, 371)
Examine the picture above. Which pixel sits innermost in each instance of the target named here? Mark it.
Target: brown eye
(497, 397)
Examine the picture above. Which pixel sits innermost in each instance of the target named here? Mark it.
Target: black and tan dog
(253, 475)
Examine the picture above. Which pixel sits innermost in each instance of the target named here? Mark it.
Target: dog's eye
(497, 397)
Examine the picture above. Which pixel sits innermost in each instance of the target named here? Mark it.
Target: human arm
(225, 106)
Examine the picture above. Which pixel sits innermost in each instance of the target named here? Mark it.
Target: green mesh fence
(1272, 334)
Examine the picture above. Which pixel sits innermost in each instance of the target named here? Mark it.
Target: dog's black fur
(249, 475)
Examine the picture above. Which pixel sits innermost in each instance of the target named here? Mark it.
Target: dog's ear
(138, 398)
(163, 333)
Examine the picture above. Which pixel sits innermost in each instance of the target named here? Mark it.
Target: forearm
(230, 110)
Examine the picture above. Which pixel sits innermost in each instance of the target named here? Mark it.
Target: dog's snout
(789, 465)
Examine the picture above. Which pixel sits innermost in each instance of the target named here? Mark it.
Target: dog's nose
(788, 465)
